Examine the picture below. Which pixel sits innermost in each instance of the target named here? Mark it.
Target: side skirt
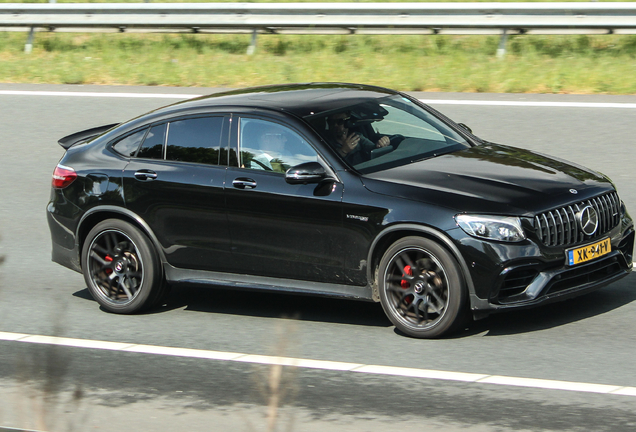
(239, 281)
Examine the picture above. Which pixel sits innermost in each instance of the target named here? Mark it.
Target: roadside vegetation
(533, 63)
(286, 1)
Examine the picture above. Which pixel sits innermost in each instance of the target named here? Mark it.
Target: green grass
(544, 64)
(287, 1)
(536, 64)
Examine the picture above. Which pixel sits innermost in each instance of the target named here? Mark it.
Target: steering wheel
(377, 152)
(395, 140)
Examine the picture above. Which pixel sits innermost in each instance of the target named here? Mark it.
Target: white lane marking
(626, 391)
(97, 94)
(550, 384)
(298, 362)
(183, 352)
(531, 104)
(6, 428)
(324, 364)
(76, 343)
(421, 373)
(426, 101)
(12, 336)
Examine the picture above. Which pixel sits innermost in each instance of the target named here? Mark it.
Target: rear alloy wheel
(421, 288)
(121, 267)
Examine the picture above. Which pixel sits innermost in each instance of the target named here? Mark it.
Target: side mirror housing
(308, 172)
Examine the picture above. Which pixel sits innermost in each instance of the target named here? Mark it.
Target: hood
(491, 178)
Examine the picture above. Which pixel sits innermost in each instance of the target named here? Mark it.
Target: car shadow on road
(276, 305)
(267, 304)
(569, 311)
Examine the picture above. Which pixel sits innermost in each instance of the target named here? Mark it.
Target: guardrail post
(28, 47)
(252, 48)
(501, 50)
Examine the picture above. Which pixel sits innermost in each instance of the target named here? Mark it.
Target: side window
(195, 140)
(152, 148)
(269, 146)
(129, 145)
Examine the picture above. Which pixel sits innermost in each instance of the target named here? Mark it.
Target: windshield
(385, 133)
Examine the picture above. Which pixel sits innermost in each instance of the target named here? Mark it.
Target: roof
(299, 99)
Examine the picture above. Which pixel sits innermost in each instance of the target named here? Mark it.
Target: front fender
(427, 231)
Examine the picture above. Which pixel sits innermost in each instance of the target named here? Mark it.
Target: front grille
(559, 227)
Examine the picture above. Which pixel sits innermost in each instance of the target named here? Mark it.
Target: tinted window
(152, 148)
(229, 158)
(399, 121)
(129, 145)
(195, 140)
(390, 132)
(270, 146)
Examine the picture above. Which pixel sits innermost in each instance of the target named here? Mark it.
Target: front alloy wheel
(421, 289)
(120, 267)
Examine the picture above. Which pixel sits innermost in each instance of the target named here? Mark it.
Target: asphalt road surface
(564, 367)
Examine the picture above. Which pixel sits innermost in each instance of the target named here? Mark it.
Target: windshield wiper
(424, 158)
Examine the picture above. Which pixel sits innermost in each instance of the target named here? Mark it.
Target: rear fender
(125, 214)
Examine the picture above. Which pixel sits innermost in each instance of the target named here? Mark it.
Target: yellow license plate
(589, 252)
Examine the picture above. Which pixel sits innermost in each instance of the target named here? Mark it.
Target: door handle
(145, 175)
(244, 183)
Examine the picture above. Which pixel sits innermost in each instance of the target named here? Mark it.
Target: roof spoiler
(77, 137)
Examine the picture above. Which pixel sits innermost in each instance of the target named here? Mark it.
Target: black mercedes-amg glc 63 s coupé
(331, 189)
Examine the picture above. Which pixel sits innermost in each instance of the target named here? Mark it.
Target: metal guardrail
(386, 18)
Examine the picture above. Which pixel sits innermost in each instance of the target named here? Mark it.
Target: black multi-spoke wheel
(120, 267)
(421, 289)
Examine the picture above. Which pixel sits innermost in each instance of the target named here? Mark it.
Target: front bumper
(513, 276)
(559, 284)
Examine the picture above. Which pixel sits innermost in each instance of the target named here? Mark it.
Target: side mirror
(308, 172)
(465, 127)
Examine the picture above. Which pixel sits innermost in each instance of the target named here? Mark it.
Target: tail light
(63, 176)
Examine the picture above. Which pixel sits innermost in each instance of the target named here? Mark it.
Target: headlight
(501, 228)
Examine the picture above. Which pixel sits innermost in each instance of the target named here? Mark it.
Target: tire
(121, 267)
(421, 288)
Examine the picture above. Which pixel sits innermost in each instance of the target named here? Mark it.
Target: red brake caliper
(406, 284)
(407, 271)
(109, 259)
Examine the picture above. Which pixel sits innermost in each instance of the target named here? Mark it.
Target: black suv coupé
(333, 189)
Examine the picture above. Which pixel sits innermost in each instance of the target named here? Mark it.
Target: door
(175, 183)
(278, 229)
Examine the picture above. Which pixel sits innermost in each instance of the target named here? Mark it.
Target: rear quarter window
(152, 148)
(128, 146)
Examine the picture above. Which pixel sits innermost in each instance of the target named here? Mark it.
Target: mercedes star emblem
(588, 219)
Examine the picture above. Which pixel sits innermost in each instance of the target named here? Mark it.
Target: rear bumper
(66, 257)
(61, 239)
